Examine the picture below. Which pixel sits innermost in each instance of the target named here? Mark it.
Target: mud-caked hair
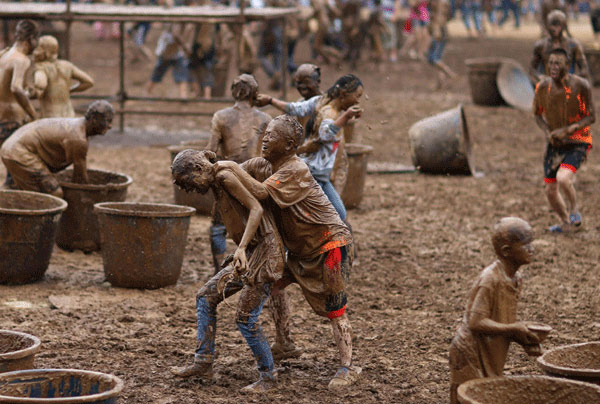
(100, 111)
(190, 160)
(244, 87)
(557, 16)
(292, 129)
(26, 30)
(559, 51)
(510, 230)
(308, 70)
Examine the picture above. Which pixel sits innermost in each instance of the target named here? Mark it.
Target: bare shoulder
(263, 116)
(580, 83)
(543, 84)
(539, 45)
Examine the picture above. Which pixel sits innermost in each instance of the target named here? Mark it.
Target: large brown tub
(358, 158)
(28, 222)
(17, 350)
(527, 390)
(142, 243)
(482, 74)
(78, 227)
(577, 361)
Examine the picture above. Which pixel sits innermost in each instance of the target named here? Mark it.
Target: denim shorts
(180, 70)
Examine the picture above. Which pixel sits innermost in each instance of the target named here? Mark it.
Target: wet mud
(421, 241)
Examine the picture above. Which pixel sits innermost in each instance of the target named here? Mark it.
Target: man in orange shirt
(564, 110)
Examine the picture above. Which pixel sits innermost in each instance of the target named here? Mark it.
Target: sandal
(344, 377)
(557, 228)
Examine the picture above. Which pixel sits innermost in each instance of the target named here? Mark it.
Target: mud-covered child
(489, 324)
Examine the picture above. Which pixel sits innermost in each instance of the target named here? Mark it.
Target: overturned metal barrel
(28, 222)
(576, 361)
(78, 226)
(17, 350)
(482, 74)
(203, 203)
(441, 145)
(593, 59)
(59, 386)
(527, 390)
(358, 158)
(142, 243)
(515, 85)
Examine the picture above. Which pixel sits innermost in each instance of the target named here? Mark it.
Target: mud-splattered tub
(17, 350)
(59, 386)
(527, 390)
(577, 361)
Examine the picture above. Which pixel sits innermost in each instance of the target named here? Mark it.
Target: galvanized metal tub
(17, 350)
(142, 243)
(358, 158)
(78, 226)
(441, 144)
(58, 386)
(515, 86)
(576, 361)
(28, 223)
(527, 390)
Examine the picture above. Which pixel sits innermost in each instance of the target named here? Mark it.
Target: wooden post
(284, 62)
(68, 22)
(122, 94)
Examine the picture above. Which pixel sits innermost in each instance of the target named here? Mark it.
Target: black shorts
(569, 157)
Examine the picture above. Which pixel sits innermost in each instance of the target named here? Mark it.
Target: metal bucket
(593, 59)
(49, 386)
(358, 158)
(441, 145)
(515, 86)
(576, 361)
(142, 243)
(17, 350)
(28, 222)
(78, 226)
(203, 203)
(527, 390)
(482, 74)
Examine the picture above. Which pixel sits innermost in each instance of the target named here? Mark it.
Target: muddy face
(98, 126)
(557, 66)
(349, 99)
(275, 143)
(555, 29)
(307, 87)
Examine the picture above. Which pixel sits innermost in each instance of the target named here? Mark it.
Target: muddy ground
(421, 239)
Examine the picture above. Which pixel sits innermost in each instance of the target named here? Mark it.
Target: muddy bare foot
(285, 350)
(345, 376)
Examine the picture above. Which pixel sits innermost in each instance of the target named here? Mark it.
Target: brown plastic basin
(577, 361)
(17, 350)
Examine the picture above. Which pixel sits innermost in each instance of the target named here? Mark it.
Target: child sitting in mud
(489, 324)
(256, 265)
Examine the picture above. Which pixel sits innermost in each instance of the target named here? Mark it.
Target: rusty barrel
(56, 386)
(17, 350)
(78, 226)
(28, 222)
(527, 390)
(142, 243)
(482, 74)
(203, 203)
(593, 59)
(575, 361)
(358, 158)
(440, 144)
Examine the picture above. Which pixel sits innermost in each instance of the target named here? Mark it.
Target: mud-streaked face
(349, 99)
(557, 66)
(195, 181)
(274, 143)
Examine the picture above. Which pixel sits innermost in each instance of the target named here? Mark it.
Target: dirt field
(422, 240)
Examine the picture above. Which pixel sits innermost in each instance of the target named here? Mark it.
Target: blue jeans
(250, 305)
(334, 197)
(471, 9)
(507, 6)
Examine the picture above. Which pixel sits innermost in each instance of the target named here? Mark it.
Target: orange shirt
(563, 107)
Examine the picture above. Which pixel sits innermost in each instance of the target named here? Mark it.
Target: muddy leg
(556, 202)
(342, 333)
(283, 347)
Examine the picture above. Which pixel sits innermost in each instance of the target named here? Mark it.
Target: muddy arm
(215, 134)
(582, 64)
(517, 332)
(233, 185)
(78, 153)
(536, 61)
(16, 87)
(84, 80)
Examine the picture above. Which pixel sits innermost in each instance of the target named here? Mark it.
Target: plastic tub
(17, 350)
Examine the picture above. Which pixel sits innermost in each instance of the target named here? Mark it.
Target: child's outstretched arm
(518, 332)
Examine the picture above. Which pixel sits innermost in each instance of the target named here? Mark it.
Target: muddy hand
(240, 263)
(262, 100)
(354, 111)
(523, 336)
